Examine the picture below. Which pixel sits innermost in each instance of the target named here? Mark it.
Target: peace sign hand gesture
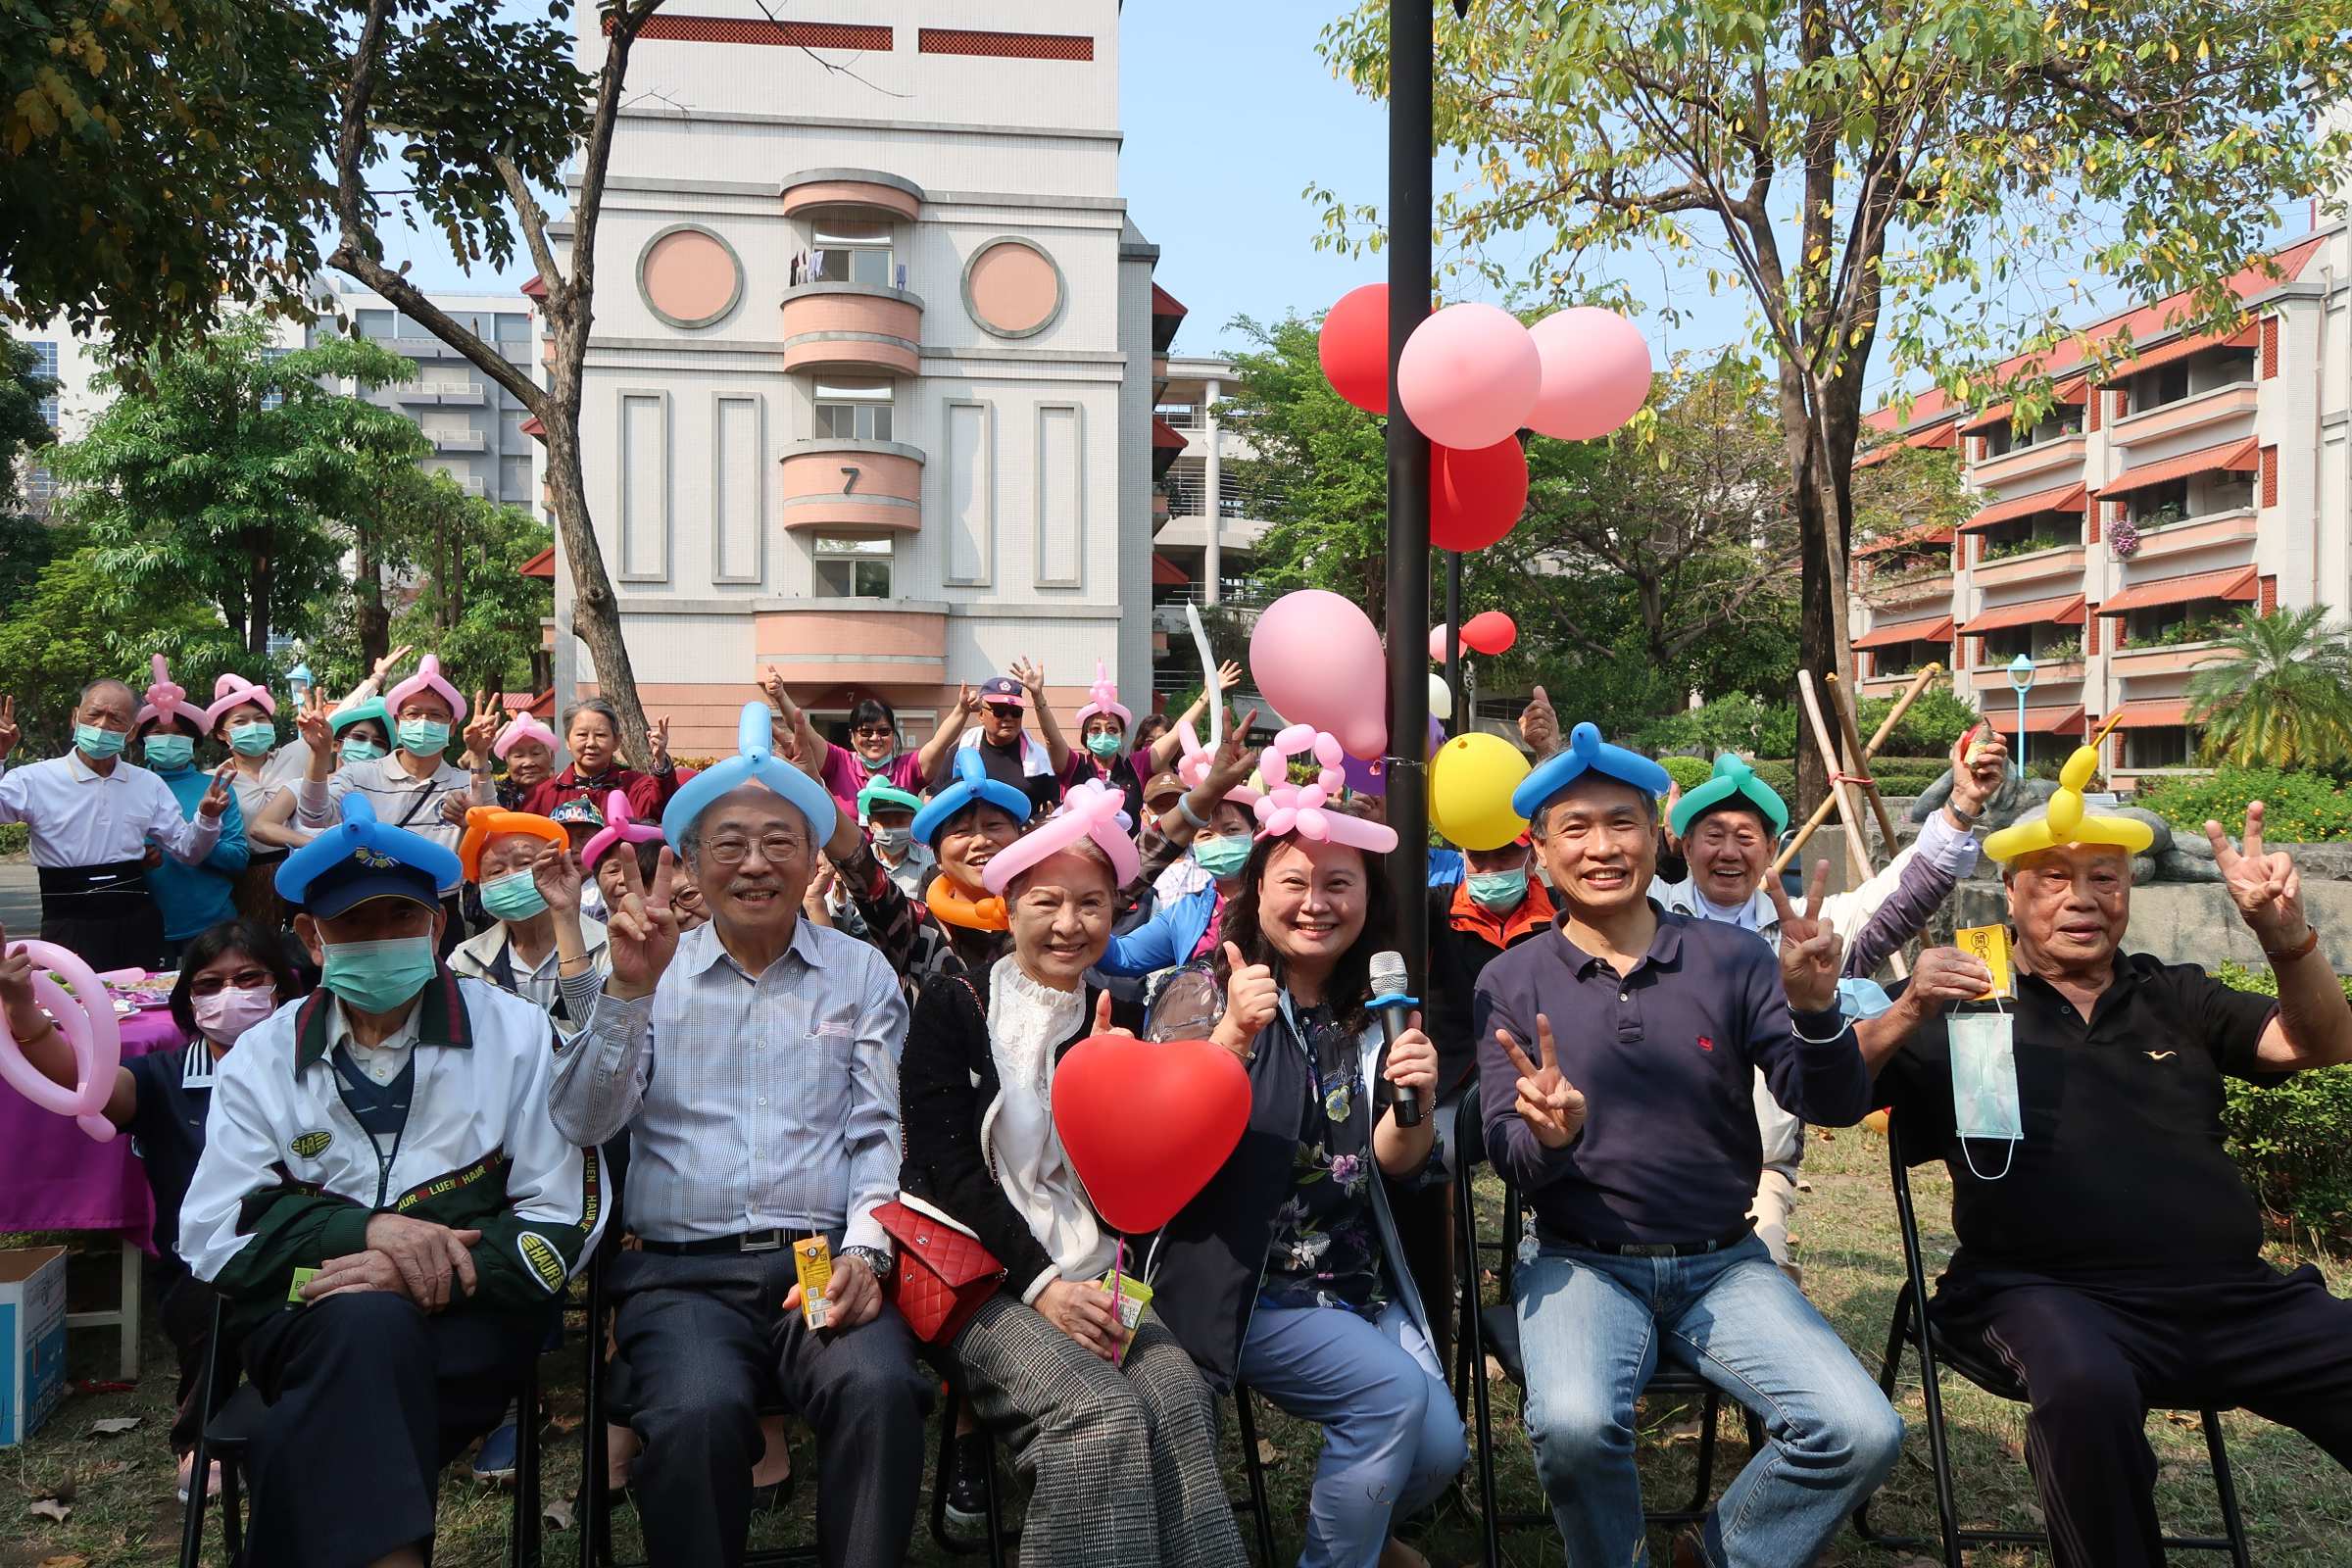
(657, 737)
(385, 665)
(481, 730)
(1810, 948)
(1552, 1108)
(557, 876)
(2263, 883)
(8, 733)
(216, 798)
(311, 723)
(641, 930)
(967, 702)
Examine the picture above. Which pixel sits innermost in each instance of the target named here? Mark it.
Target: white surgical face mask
(1984, 1102)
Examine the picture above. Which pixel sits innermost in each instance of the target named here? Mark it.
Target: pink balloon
(86, 1015)
(1436, 644)
(1595, 372)
(1316, 657)
(1468, 375)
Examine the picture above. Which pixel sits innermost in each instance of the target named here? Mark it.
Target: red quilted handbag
(943, 1275)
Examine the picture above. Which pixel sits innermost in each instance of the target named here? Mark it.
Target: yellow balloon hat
(2065, 822)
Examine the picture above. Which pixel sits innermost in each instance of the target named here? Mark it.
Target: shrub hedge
(2297, 807)
(2294, 1140)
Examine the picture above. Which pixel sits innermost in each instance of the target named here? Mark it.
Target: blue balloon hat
(362, 858)
(972, 787)
(1586, 751)
(755, 759)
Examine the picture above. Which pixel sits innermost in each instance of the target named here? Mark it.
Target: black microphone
(1394, 1004)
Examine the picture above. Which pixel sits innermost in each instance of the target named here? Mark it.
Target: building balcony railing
(2047, 670)
(2233, 402)
(831, 483)
(2064, 452)
(2160, 659)
(1189, 498)
(862, 328)
(459, 440)
(2034, 565)
(1906, 588)
(867, 194)
(2181, 535)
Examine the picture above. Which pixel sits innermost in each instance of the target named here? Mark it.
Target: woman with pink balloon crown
(232, 977)
(1101, 1405)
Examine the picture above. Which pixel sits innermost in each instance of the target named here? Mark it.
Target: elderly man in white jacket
(385, 1205)
(1728, 828)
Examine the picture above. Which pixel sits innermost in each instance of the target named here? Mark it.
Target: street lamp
(2021, 676)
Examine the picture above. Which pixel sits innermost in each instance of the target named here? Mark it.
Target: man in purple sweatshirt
(1615, 1062)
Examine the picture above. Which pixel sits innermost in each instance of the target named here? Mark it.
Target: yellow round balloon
(1470, 784)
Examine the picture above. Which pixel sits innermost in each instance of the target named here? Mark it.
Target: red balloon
(1147, 1123)
(1353, 347)
(1475, 496)
(1491, 633)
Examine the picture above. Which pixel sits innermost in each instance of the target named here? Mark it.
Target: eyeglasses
(873, 732)
(774, 847)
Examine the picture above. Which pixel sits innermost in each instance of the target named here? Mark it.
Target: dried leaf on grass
(1495, 1373)
(558, 1514)
(115, 1426)
(69, 1561)
(1267, 1453)
(50, 1508)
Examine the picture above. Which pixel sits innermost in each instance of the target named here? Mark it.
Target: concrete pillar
(1212, 500)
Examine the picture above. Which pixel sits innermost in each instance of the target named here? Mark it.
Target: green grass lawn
(2298, 1504)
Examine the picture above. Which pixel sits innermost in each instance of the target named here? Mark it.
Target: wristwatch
(874, 1258)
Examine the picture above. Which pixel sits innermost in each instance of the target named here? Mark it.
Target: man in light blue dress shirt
(754, 1062)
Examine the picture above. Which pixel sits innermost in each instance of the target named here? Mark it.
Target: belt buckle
(1650, 1250)
(767, 1241)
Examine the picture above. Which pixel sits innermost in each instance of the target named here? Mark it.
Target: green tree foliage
(2298, 806)
(227, 475)
(1905, 171)
(2294, 1140)
(22, 427)
(1645, 567)
(2276, 692)
(80, 620)
(160, 159)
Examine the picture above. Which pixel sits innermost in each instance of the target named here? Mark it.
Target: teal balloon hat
(972, 787)
(1736, 782)
(755, 761)
(1586, 753)
(881, 791)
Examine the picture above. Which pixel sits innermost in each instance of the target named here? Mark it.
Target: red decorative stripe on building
(1005, 45)
(758, 31)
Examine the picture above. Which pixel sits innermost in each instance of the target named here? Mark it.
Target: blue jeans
(1591, 1328)
(1391, 1438)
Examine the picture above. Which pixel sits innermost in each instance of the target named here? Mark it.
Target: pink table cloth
(52, 1177)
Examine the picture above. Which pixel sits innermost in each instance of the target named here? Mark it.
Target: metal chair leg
(522, 1534)
(233, 1513)
(2234, 1523)
(192, 1522)
(1247, 1422)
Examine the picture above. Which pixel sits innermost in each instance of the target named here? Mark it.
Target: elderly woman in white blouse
(1117, 1429)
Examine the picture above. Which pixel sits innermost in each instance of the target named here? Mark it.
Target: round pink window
(1013, 288)
(689, 277)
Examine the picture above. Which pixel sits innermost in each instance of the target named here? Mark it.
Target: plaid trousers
(1123, 1459)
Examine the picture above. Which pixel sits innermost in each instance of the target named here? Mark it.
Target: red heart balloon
(1147, 1123)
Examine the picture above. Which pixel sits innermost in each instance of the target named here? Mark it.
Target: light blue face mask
(168, 753)
(1984, 1102)
(1499, 891)
(1222, 858)
(1104, 744)
(98, 744)
(512, 897)
(424, 737)
(361, 750)
(378, 976)
(253, 737)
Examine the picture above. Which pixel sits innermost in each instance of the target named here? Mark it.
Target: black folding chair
(596, 1497)
(227, 1432)
(1937, 1350)
(1494, 1329)
(1254, 1470)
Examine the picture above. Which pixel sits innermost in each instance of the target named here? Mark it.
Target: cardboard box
(32, 1340)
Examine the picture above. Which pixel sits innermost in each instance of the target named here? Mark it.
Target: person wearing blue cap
(1726, 828)
(384, 1203)
(753, 1062)
(1614, 1066)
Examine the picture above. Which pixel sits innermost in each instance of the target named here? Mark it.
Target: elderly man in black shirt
(2109, 1250)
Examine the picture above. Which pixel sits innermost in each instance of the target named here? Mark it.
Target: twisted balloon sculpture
(1288, 808)
(755, 761)
(86, 1015)
(620, 827)
(1090, 810)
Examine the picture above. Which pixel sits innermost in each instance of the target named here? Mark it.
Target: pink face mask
(228, 1013)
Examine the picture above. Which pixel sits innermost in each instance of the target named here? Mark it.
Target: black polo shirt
(2122, 1170)
(1006, 764)
(167, 1128)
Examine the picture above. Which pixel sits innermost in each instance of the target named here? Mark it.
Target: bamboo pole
(1841, 703)
(1821, 812)
(1838, 785)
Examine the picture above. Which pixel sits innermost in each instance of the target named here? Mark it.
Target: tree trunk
(257, 608)
(595, 611)
(374, 623)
